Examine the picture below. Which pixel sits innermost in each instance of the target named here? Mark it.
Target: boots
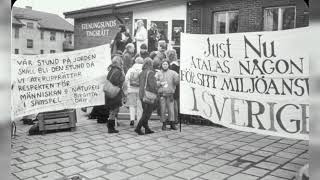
(147, 129)
(138, 128)
(164, 126)
(111, 126)
(138, 131)
(173, 126)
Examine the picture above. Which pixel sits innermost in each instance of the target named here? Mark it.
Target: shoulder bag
(149, 97)
(110, 90)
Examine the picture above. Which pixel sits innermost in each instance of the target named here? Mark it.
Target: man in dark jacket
(116, 77)
(153, 37)
(147, 82)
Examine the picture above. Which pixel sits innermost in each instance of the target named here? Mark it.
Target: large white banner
(58, 81)
(255, 82)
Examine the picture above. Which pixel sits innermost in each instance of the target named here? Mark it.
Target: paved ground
(198, 152)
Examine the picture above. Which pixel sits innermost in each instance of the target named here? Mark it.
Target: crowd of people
(137, 72)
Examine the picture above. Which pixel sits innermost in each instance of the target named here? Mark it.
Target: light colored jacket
(171, 78)
(134, 68)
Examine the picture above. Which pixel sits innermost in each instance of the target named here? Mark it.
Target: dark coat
(152, 40)
(117, 79)
(119, 44)
(176, 68)
(151, 84)
(128, 61)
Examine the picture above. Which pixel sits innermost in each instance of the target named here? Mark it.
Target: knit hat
(143, 46)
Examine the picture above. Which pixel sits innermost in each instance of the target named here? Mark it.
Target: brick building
(191, 16)
(36, 32)
(227, 16)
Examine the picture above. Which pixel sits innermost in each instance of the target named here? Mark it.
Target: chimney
(28, 7)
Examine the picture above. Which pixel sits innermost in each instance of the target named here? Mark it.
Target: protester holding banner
(128, 57)
(132, 93)
(168, 80)
(147, 83)
(116, 77)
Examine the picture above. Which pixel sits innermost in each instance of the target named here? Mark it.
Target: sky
(60, 6)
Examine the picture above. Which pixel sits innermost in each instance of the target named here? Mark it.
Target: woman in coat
(147, 82)
(133, 83)
(141, 36)
(116, 77)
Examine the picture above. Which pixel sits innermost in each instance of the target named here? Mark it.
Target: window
(16, 32)
(30, 25)
(41, 51)
(29, 43)
(225, 22)
(52, 36)
(42, 34)
(52, 51)
(16, 51)
(279, 18)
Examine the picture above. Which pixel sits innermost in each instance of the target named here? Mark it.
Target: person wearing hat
(121, 40)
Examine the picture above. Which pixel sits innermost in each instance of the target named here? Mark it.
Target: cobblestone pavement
(198, 152)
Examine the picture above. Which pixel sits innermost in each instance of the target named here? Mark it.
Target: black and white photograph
(160, 90)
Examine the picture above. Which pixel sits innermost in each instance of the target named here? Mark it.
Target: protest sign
(255, 82)
(50, 82)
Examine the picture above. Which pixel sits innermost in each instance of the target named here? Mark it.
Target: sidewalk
(198, 152)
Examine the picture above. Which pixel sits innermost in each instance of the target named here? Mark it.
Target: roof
(45, 20)
(108, 6)
(16, 21)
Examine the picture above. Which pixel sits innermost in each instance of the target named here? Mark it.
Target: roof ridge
(35, 10)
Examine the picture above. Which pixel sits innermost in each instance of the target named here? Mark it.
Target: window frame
(16, 33)
(31, 41)
(16, 51)
(42, 34)
(227, 20)
(53, 38)
(280, 16)
(52, 51)
(41, 51)
(30, 27)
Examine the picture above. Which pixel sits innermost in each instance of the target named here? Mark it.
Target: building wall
(250, 13)
(162, 11)
(38, 43)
